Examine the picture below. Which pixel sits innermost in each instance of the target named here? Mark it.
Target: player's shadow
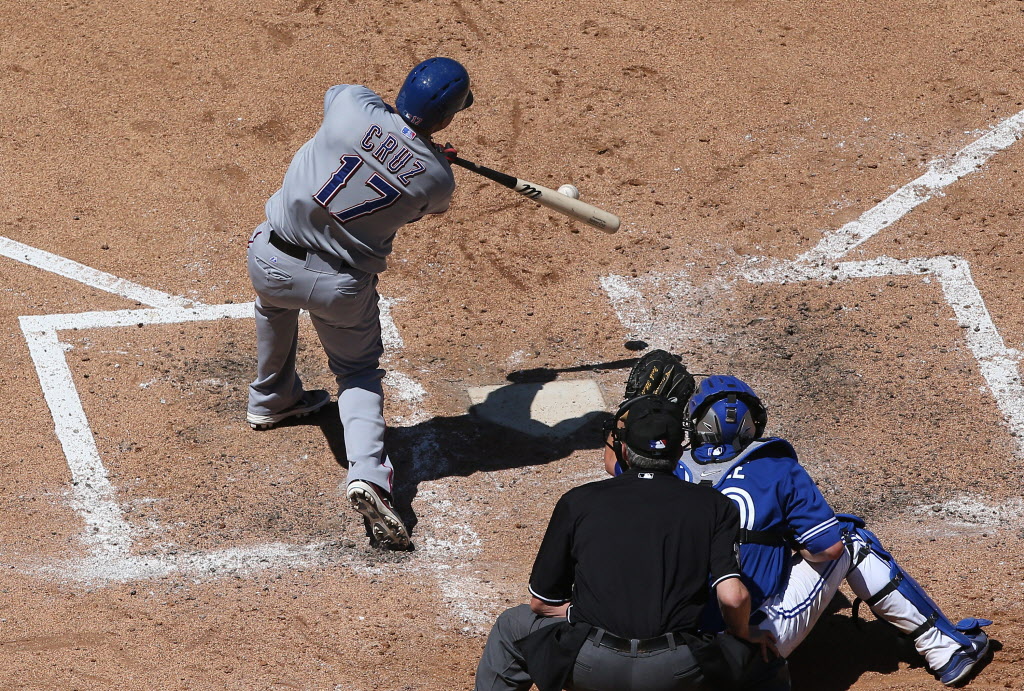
(461, 445)
(840, 649)
(465, 444)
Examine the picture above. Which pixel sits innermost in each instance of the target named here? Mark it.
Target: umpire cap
(654, 428)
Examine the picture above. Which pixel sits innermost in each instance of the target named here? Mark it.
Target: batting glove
(449, 151)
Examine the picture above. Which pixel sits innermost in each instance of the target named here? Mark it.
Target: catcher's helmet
(726, 414)
(434, 90)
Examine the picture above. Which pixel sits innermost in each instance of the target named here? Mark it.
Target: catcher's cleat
(956, 671)
(310, 402)
(386, 528)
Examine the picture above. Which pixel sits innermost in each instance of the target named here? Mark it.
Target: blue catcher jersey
(775, 495)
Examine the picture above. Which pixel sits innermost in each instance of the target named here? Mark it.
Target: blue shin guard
(910, 610)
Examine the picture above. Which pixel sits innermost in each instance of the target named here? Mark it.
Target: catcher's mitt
(660, 373)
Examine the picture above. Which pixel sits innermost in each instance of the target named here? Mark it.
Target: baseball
(569, 191)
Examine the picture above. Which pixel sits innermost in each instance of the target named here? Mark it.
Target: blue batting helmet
(434, 90)
(726, 413)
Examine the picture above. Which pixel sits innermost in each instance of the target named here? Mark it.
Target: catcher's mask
(652, 426)
(726, 416)
(434, 90)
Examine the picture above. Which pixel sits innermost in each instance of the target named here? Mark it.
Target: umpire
(621, 578)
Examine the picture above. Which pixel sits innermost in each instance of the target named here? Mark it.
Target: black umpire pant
(597, 668)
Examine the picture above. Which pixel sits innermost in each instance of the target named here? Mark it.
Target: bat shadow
(545, 374)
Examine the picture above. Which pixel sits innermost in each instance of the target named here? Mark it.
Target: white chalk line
(941, 173)
(660, 324)
(102, 514)
(98, 569)
(975, 510)
(108, 536)
(93, 497)
(997, 363)
(81, 273)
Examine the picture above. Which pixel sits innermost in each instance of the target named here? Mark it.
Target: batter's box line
(941, 173)
(107, 535)
(86, 275)
(997, 363)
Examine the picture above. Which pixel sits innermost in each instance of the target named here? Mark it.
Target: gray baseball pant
(342, 304)
(596, 669)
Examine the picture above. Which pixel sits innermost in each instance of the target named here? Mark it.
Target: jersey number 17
(350, 163)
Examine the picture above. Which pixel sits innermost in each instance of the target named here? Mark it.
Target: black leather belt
(762, 537)
(288, 248)
(643, 645)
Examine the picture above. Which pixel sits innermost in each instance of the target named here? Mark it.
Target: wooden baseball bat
(589, 214)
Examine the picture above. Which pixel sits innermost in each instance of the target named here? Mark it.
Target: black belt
(292, 250)
(643, 645)
(762, 537)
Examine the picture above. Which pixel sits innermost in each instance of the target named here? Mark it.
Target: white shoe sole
(387, 528)
(260, 422)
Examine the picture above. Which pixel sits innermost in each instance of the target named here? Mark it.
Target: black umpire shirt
(635, 553)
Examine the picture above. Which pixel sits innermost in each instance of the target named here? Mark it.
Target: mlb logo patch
(659, 444)
(408, 132)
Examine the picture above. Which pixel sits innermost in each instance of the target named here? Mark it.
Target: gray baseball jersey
(362, 176)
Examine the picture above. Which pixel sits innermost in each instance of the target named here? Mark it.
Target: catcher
(795, 551)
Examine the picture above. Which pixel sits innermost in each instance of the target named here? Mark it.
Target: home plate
(553, 409)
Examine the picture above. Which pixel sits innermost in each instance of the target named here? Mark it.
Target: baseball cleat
(387, 528)
(963, 661)
(310, 402)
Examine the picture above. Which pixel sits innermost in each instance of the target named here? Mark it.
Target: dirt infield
(821, 198)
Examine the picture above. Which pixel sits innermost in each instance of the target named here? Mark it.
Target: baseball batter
(369, 169)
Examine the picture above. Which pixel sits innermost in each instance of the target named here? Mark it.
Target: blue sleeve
(682, 472)
(808, 514)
